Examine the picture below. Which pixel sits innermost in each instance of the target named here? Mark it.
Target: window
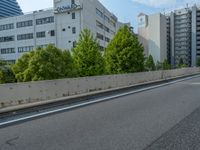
(44, 20)
(113, 22)
(106, 29)
(73, 15)
(99, 36)
(25, 36)
(99, 13)
(25, 24)
(107, 19)
(107, 39)
(6, 27)
(40, 34)
(25, 49)
(7, 50)
(99, 24)
(7, 39)
(52, 33)
(74, 44)
(74, 30)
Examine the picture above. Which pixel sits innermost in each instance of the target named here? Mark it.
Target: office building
(9, 8)
(59, 26)
(152, 33)
(183, 35)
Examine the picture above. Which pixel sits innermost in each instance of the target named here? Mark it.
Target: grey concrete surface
(32, 92)
(184, 136)
(128, 123)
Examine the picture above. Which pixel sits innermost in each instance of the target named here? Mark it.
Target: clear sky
(125, 10)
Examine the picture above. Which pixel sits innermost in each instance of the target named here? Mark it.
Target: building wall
(153, 36)
(143, 32)
(163, 38)
(66, 28)
(16, 44)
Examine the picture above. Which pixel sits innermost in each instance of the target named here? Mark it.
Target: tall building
(182, 32)
(153, 35)
(59, 26)
(180, 36)
(9, 8)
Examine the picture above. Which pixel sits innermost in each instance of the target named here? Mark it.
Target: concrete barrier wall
(21, 93)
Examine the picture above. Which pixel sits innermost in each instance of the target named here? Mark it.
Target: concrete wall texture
(23, 93)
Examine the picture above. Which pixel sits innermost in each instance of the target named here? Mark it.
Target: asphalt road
(162, 118)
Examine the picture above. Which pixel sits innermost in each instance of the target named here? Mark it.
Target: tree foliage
(87, 57)
(166, 65)
(198, 62)
(149, 64)
(181, 63)
(6, 74)
(124, 53)
(43, 64)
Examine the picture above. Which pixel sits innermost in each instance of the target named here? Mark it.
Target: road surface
(165, 118)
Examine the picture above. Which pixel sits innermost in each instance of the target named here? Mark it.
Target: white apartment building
(60, 26)
(152, 33)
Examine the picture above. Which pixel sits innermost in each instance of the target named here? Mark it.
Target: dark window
(107, 39)
(7, 39)
(74, 30)
(52, 33)
(40, 34)
(100, 36)
(7, 50)
(25, 24)
(25, 36)
(6, 27)
(73, 15)
(44, 20)
(74, 44)
(99, 24)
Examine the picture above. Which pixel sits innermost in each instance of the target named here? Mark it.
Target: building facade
(152, 33)
(182, 32)
(9, 8)
(180, 37)
(59, 26)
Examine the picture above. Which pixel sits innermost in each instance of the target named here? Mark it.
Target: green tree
(149, 64)
(181, 63)
(87, 57)
(166, 65)
(44, 64)
(159, 65)
(198, 62)
(6, 74)
(124, 53)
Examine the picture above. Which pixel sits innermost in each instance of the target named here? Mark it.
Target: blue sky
(125, 10)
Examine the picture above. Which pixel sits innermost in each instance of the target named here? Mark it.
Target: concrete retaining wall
(23, 93)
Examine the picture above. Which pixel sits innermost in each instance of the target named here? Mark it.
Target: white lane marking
(92, 102)
(195, 83)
